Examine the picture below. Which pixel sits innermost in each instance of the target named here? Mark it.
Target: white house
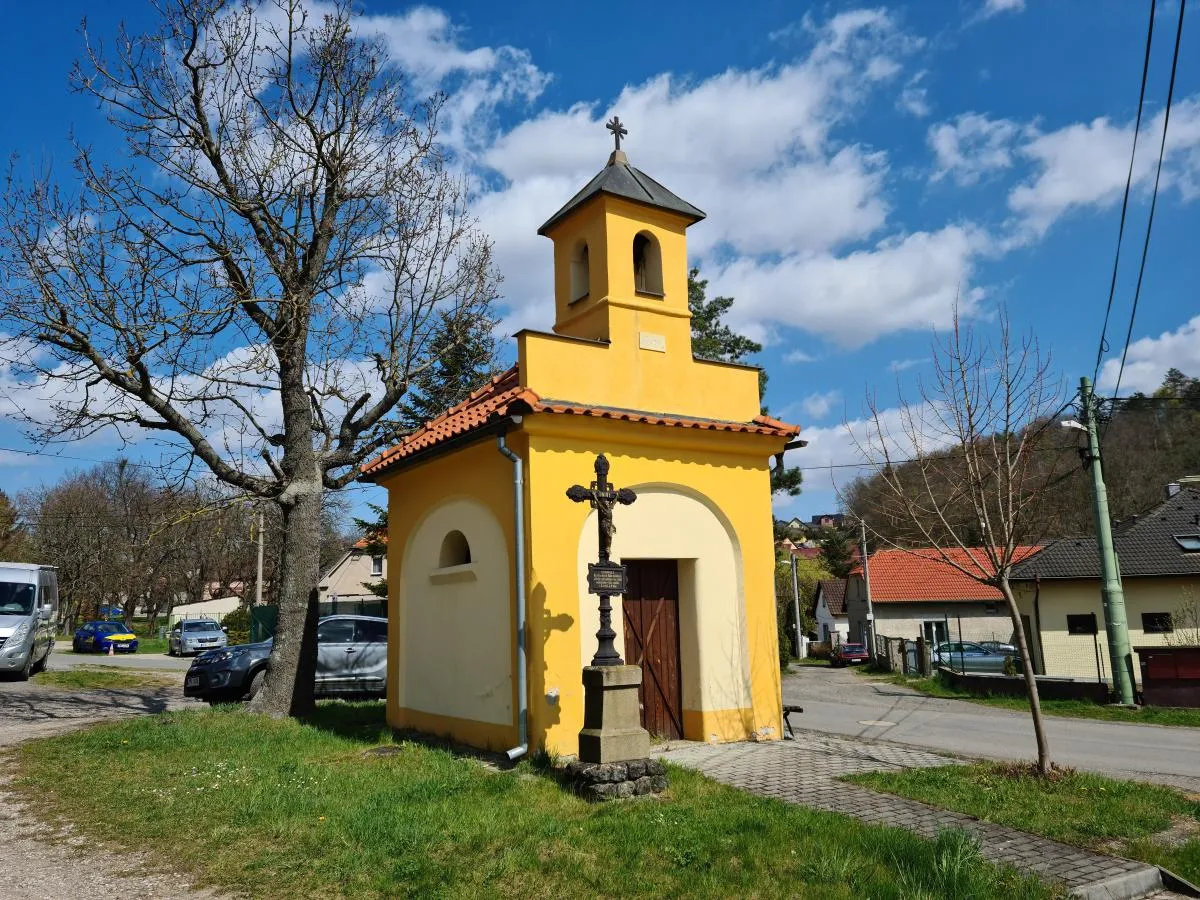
(833, 625)
(344, 584)
(217, 608)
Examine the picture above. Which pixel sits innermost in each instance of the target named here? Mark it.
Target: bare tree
(970, 496)
(262, 280)
(1186, 621)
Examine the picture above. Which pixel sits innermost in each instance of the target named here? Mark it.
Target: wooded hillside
(1147, 441)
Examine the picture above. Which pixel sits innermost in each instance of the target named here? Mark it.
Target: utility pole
(1115, 623)
(796, 602)
(258, 576)
(862, 550)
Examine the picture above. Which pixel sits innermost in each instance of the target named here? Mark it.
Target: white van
(28, 610)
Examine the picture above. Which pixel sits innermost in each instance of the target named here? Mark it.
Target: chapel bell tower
(620, 258)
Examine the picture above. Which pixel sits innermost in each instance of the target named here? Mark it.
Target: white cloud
(972, 146)
(903, 283)
(798, 356)
(914, 99)
(1150, 357)
(820, 405)
(900, 365)
(995, 7)
(1086, 164)
(784, 198)
(834, 456)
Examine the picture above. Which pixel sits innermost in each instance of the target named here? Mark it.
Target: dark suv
(351, 659)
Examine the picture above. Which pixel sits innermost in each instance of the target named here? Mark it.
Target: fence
(264, 619)
(902, 655)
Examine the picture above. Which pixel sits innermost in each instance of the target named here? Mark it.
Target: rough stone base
(617, 780)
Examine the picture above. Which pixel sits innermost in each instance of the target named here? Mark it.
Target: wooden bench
(788, 709)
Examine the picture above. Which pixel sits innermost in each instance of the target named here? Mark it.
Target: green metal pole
(1115, 623)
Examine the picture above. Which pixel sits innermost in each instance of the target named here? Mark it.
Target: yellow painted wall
(479, 474)
(1074, 655)
(707, 503)
(645, 360)
(730, 472)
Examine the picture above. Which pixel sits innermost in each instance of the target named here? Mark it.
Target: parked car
(28, 606)
(965, 656)
(849, 655)
(195, 636)
(351, 659)
(97, 637)
(998, 647)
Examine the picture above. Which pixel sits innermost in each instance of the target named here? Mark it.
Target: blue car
(97, 637)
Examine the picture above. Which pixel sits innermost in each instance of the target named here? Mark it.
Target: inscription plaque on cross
(605, 578)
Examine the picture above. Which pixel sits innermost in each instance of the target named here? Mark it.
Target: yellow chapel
(490, 618)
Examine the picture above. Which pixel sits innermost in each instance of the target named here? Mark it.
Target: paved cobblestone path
(805, 771)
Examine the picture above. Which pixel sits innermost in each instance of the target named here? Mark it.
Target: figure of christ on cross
(603, 496)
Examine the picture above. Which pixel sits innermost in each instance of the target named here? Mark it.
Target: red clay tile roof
(834, 592)
(504, 395)
(363, 542)
(899, 576)
(805, 552)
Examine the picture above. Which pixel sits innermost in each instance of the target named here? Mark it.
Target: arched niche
(455, 619)
(580, 272)
(647, 264)
(674, 522)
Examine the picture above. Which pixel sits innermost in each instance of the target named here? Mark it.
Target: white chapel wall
(455, 624)
(669, 522)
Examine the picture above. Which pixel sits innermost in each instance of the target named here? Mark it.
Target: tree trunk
(291, 669)
(1031, 687)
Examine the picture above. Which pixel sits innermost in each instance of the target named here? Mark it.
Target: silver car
(28, 607)
(195, 636)
(351, 659)
(965, 656)
(352, 655)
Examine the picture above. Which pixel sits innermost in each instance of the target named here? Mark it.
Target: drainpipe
(519, 529)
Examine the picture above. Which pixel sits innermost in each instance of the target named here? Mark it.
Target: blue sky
(861, 165)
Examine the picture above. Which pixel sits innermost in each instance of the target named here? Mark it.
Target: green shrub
(237, 625)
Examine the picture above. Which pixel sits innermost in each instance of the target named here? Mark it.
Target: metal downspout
(519, 528)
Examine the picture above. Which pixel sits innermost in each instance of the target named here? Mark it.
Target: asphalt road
(837, 701)
(64, 658)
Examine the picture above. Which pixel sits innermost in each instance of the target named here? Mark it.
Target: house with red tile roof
(916, 593)
(492, 617)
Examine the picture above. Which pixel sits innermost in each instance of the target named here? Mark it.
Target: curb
(1177, 884)
(1127, 886)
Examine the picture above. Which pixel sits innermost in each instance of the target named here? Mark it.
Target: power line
(1137, 126)
(1153, 196)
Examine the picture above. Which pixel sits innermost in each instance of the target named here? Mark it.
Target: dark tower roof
(620, 179)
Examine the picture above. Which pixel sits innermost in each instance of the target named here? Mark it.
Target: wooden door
(652, 641)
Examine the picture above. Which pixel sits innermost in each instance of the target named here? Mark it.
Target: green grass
(281, 809)
(1077, 709)
(1078, 808)
(85, 678)
(810, 661)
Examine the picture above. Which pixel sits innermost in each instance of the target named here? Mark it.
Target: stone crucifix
(604, 578)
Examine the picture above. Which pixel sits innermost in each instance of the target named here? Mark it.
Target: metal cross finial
(618, 130)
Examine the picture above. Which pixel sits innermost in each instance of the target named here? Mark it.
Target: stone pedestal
(612, 719)
(615, 781)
